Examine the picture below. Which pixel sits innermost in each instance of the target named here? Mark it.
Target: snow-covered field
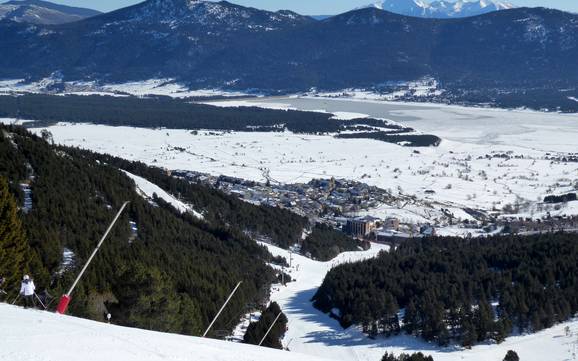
(164, 87)
(488, 159)
(27, 335)
(509, 164)
(314, 333)
(389, 91)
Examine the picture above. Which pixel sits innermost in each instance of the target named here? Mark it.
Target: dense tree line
(325, 243)
(412, 140)
(168, 113)
(173, 276)
(445, 289)
(570, 197)
(257, 330)
(405, 357)
(550, 98)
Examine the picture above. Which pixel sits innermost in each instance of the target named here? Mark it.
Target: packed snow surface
(313, 333)
(30, 335)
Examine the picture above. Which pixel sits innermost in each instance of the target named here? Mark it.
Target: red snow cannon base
(63, 304)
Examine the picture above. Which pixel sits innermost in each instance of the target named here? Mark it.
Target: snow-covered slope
(42, 12)
(441, 9)
(28, 335)
(313, 333)
(148, 190)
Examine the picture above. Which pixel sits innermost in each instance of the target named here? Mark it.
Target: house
(361, 226)
(393, 237)
(427, 231)
(391, 223)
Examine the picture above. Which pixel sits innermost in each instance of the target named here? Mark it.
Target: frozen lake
(536, 130)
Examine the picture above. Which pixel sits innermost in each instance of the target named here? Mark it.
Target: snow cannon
(65, 299)
(63, 304)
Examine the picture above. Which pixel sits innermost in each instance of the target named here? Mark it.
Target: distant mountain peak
(441, 8)
(192, 18)
(42, 12)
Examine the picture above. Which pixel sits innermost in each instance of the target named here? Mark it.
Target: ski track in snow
(148, 189)
(313, 333)
(32, 335)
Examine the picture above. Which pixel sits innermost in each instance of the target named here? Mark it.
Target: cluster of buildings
(330, 201)
(549, 224)
(389, 230)
(322, 201)
(317, 200)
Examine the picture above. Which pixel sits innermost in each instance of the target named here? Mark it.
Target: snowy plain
(488, 158)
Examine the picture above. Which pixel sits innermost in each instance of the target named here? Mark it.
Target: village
(347, 205)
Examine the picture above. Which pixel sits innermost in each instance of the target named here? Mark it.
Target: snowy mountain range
(441, 9)
(206, 44)
(42, 12)
(182, 15)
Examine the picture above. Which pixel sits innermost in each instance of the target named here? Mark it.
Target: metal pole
(16, 299)
(222, 308)
(270, 328)
(96, 249)
(42, 303)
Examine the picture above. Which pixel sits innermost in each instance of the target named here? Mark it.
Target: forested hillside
(172, 275)
(325, 243)
(506, 58)
(445, 289)
(280, 226)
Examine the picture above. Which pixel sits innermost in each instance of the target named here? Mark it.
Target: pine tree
(511, 356)
(13, 244)
(389, 357)
(410, 319)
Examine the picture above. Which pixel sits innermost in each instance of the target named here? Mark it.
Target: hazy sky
(310, 7)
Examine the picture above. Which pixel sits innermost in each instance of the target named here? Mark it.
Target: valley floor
(489, 158)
